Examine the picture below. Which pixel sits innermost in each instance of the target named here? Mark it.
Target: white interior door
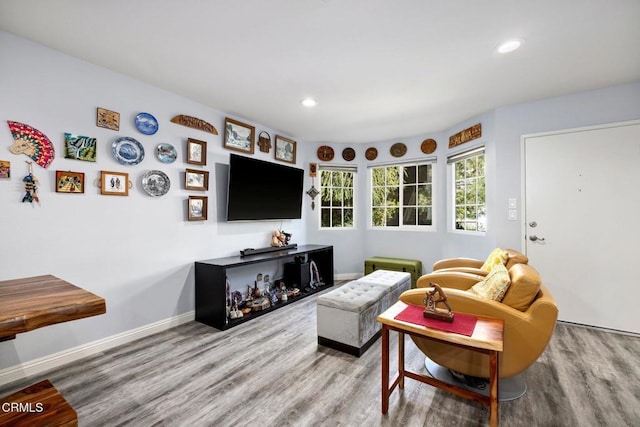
(582, 226)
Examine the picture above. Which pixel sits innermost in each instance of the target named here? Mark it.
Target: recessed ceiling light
(509, 46)
(309, 102)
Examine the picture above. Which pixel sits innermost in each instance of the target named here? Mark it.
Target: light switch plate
(513, 215)
(512, 203)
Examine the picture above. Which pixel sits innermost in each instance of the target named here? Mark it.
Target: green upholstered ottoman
(411, 266)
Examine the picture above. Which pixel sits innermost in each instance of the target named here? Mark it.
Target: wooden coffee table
(487, 338)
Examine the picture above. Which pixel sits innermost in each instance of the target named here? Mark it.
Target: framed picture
(196, 180)
(196, 152)
(5, 169)
(114, 183)
(69, 182)
(197, 206)
(108, 119)
(285, 149)
(239, 136)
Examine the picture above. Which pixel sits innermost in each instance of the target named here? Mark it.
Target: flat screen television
(261, 190)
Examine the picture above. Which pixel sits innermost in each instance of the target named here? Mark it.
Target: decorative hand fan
(32, 142)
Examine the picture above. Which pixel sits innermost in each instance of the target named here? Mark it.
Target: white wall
(137, 251)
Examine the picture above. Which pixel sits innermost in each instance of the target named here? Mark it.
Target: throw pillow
(497, 256)
(495, 285)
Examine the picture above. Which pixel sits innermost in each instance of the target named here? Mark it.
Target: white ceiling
(380, 69)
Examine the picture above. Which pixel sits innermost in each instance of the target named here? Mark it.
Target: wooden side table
(487, 338)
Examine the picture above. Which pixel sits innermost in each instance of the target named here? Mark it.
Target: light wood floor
(271, 372)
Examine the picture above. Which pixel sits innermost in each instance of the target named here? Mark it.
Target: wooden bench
(37, 405)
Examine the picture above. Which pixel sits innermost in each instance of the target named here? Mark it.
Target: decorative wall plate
(371, 153)
(155, 183)
(348, 154)
(428, 146)
(398, 149)
(166, 153)
(146, 123)
(325, 153)
(127, 151)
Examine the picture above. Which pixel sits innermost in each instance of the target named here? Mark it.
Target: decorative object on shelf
(31, 142)
(155, 183)
(428, 146)
(196, 152)
(285, 149)
(469, 134)
(127, 151)
(196, 180)
(325, 153)
(69, 182)
(5, 169)
(79, 147)
(166, 153)
(348, 154)
(146, 123)
(238, 136)
(108, 119)
(30, 186)
(264, 141)
(197, 207)
(114, 183)
(194, 123)
(314, 274)
(435, 296)
(313, 170)
(277, 239)
(398, 149)
(371, 153)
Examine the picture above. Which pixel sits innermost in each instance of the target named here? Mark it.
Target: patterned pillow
(497, 256)
(495, 285)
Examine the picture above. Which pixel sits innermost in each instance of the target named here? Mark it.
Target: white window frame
(431, 161)
(338, 168)
(451, 161)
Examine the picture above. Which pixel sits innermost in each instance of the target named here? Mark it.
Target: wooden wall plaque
(195, 123)
(466, 135)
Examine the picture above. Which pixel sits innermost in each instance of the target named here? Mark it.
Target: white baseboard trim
(52, 361)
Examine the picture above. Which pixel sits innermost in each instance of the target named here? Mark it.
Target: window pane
(348, 197)
(424, 195)
(377, 176)
(409, 216)
(459, 170)
(481, 191)
(393, 217)
(471, 191)
(424, 216)
(348, 217)
(325, 196)
(325, 219)
(470, 165)
(377, 196)
(460, 213)
(393, 175)
(410, 175)
(393, 196)
(336, 199)
(336, 179)
(336, 217)
(460, 192)
(424, 173)
(409, 195)
(377, 217)
(471, 212)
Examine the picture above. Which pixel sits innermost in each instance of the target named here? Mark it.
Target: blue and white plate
(146, 123)
(166, 153)
(127, 151)
(156, 183)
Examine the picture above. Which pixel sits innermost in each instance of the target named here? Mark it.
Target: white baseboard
(52, 361)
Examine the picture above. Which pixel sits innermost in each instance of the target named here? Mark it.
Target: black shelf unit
(211, 282)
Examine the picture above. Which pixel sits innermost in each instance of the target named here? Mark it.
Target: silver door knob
(535, 238)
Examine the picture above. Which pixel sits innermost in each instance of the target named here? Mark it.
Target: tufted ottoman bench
(347, 315)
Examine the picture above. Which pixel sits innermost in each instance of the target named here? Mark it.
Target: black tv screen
(260, 190)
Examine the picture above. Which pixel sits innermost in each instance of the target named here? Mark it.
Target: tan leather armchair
(527, 328)
(471, 265)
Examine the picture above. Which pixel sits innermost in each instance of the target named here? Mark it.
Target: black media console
(211, 282)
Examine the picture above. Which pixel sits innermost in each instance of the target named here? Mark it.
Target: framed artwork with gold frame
(114, 183)
(108, 119)
(69, 182)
